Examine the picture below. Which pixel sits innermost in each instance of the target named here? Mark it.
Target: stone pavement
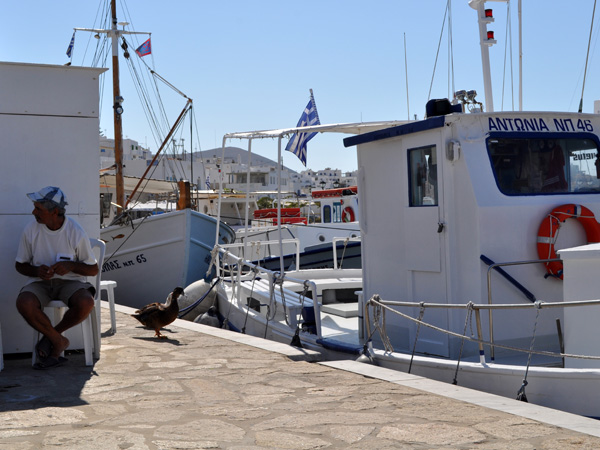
(204, 388)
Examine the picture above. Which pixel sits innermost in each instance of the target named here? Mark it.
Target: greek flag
(71, 45)
(208, 181)
(309, 117)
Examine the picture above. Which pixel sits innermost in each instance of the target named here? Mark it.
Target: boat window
(544, 166)
(326, 214)
(423, 176)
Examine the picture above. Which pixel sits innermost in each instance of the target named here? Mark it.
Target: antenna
(586, 58)
(406, 75)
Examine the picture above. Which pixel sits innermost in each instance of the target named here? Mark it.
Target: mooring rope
(344, 251)
(255, 271)
(521, 393)
(272, 301)
(187, 309)
(420, 319)
(296, 338)
(462, 342)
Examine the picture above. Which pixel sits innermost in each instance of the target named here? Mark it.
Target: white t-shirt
(40, 245)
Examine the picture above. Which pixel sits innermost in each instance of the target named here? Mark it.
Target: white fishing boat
(468, 289)
(148, 257)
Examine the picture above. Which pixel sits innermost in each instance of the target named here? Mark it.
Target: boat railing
(380, 307)
(256, 246)
(345, 241)
(239, 270)
(498, 267)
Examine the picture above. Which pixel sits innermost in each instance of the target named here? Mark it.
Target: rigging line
(144, 101)
(438, 51)
(511, 59)
(586, 58)
(155, 126)
(199, 146)
(89, 34)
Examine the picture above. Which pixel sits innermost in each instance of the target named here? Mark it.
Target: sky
(250, 65)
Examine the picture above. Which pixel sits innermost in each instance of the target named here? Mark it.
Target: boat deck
(211, 388)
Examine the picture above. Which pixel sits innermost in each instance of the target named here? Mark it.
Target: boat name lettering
(538, 124)
(115, 264)
(110, 265)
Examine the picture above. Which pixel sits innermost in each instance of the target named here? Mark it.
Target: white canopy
(347, 128)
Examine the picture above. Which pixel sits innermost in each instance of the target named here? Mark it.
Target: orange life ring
(348, 214)
(549, 227)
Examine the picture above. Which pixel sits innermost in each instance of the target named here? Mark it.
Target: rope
(521, 393)
(379, 315)
(272, 302)
(344, 251)
(255, 271)
(412, 356)
(187, 309)
(296, 339)
(375, 304)
(285, 310)
(462, 343)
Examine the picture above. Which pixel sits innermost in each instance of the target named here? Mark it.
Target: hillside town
(202, 169)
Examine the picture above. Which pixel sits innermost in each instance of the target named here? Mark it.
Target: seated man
(55, 253)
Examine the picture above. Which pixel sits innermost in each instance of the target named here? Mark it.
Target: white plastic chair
(109, 286)
(91, 325)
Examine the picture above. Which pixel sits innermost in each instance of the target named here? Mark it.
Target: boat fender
(548, 232)
(366, 356)
(348, 214)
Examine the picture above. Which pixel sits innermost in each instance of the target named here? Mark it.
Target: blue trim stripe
(400, 130)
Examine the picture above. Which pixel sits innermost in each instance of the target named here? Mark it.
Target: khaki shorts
(58, 289)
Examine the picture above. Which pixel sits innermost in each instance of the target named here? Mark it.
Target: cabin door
(424, 245)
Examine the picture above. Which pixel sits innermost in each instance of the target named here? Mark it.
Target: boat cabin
(443, 198)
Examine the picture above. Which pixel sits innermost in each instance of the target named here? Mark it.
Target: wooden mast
(117, 110)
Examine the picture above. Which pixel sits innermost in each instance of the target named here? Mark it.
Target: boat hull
(553, 387)
(154, 255)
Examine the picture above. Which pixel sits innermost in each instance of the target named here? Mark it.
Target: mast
(486, 40)
(117, 111)
(114, 33)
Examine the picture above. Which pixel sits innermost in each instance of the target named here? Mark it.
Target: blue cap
(50, 194)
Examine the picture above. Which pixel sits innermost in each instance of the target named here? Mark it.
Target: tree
(265, 202)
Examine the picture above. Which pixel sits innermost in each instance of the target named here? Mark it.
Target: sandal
(43, 348)
(49, 362)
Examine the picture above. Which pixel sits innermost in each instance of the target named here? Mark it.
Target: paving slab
(205, 388)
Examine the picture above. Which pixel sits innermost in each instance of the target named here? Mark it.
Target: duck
(159, 315)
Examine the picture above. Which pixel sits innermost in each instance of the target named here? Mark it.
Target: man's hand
(44, 272)
(62, 267)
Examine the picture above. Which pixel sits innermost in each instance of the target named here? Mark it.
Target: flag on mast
(144, 49)
(309, 117)
(71, 45)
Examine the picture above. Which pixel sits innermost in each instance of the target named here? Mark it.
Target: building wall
(49, 127)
